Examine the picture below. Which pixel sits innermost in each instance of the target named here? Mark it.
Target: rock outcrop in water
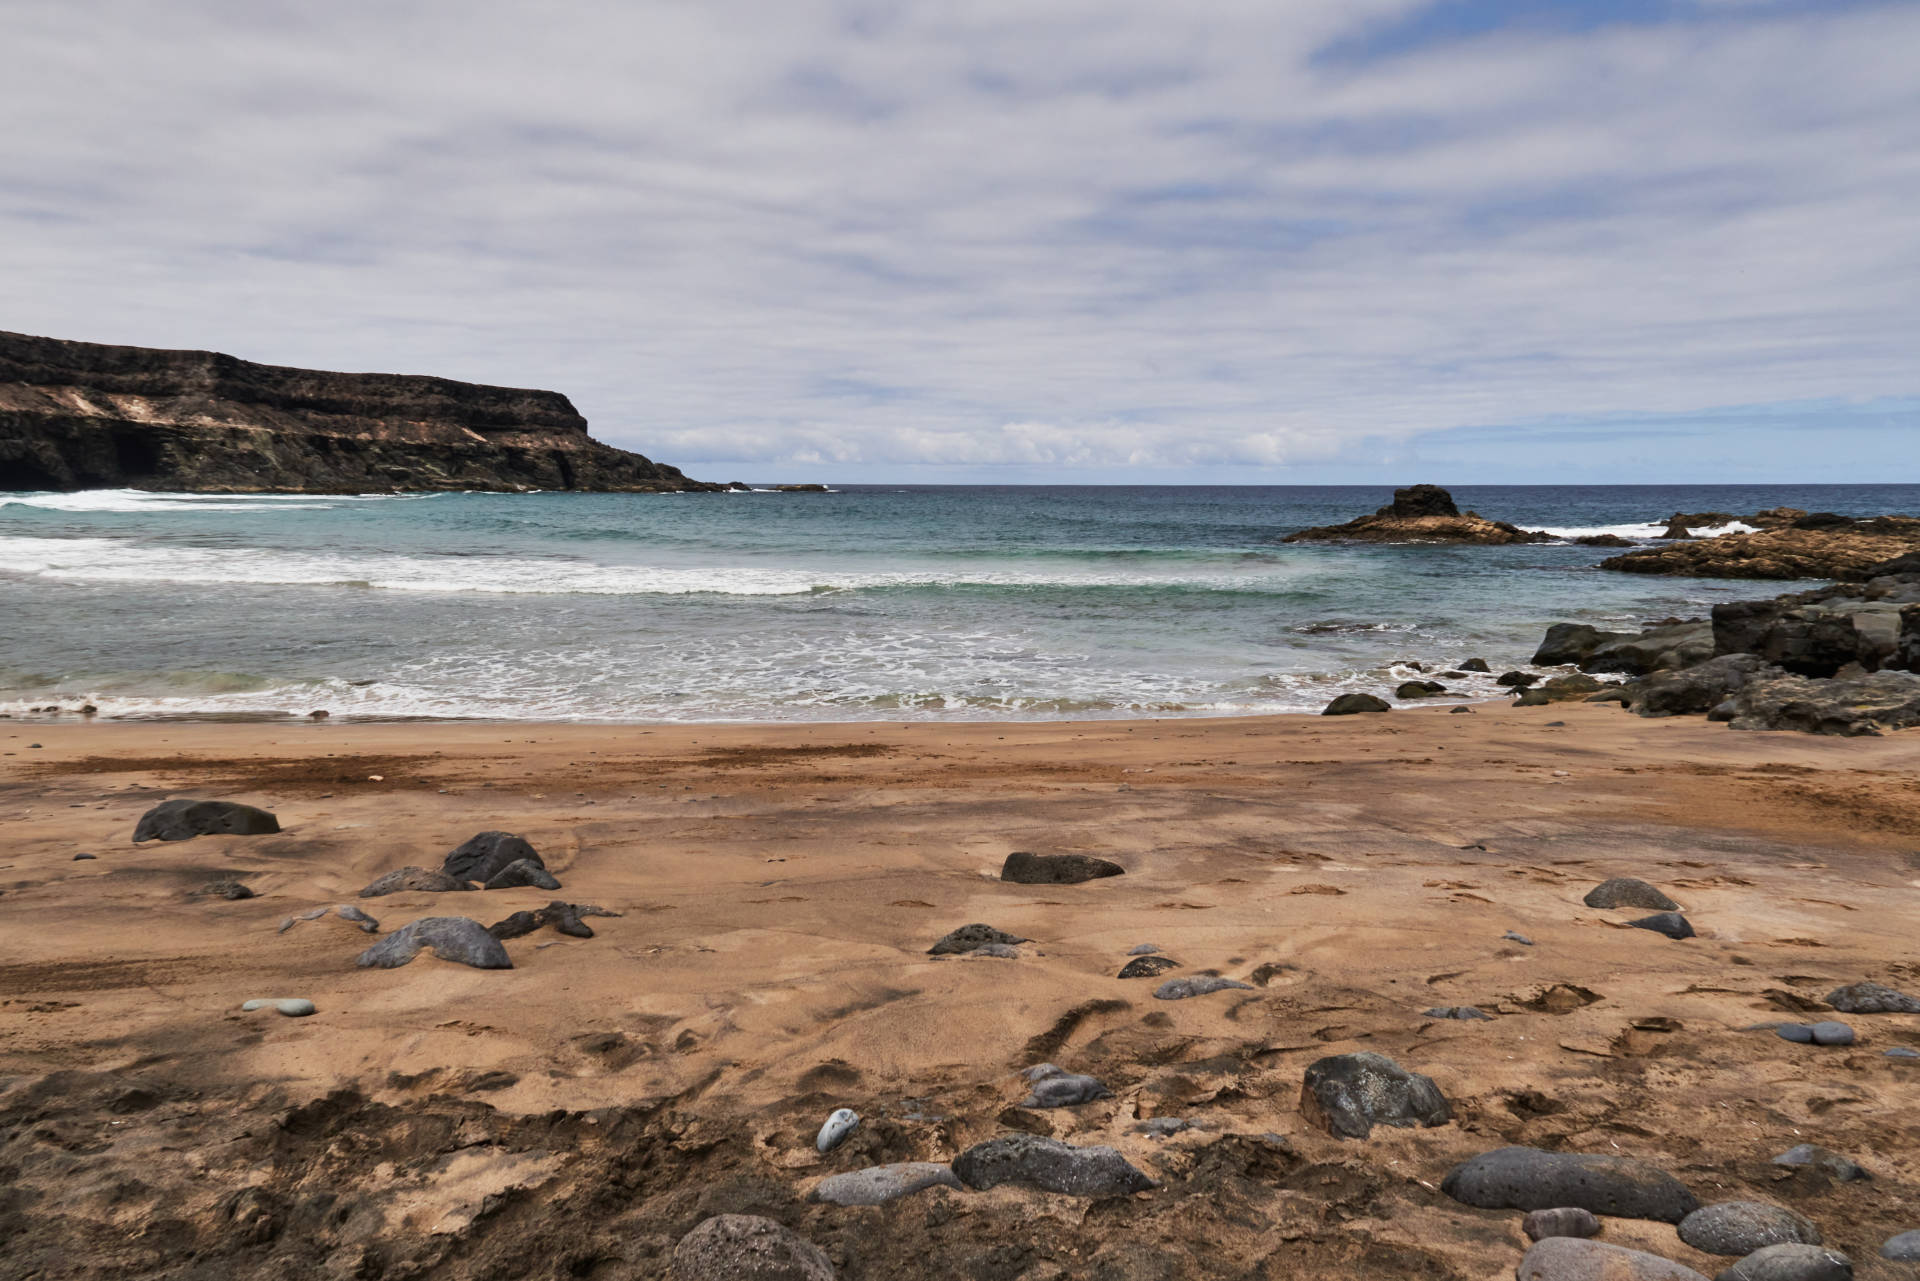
(1421, 514)
(76, 415)
(1820, 545)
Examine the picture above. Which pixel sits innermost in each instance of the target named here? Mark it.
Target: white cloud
(1078, 235)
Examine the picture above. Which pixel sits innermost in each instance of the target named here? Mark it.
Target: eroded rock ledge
(76, 415)
(1421, 514)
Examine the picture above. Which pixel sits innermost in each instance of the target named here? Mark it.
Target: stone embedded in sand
(997, 951)
(1467, 1012)
(837, 1127)
(879, 1184)
(452, 938)
(1348, 704)
(1739, 1228)
(523, 872)
(485, 856)
(1626, 891)
(232, 891)
(1419, 689)
(1022, 868)
(1903, 1248)
(1871, 998)
(1517, 1178)
(1145, 967)
(1671, 924)
(1574, 1259)
(1790, 1261)
(1902, 1052)
(1348, 1094)
(1561, 1221)
(182, 820)
(516, 925)
(348, 912)
(294, 1007)
(1829, 1032)
(1049, 1165)
(1842, 1169)
(969, 937)
(1055, 1088)
(413, 878)
(746, 1247)
(1514, 936)
(1143, 949)
(1798, 1033)
(1199, 985)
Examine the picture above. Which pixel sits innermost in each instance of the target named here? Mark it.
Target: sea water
(870, 602)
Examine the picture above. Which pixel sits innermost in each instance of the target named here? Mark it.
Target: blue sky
(1096, 240)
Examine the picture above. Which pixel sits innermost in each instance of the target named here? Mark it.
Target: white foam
(140, 500)
(1645, 529)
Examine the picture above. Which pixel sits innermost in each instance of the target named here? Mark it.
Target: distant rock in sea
(1421, 514)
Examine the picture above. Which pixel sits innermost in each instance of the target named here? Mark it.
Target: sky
(1220, 241)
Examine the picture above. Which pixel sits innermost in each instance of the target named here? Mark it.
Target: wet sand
(779, 887)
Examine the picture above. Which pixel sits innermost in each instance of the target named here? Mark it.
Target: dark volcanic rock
(1846, 552)
(1419, 689)
(452, 938)
(1841, 1169)
(1572, 642)
(1603, 540)
(1559, 689)
(969, 937)
(182, 820)
(1625, 891)
(413, 878)
(1790, 1262)
(1529, 1179)
(77, 415)
(1056, 869)
(1348, 704)
(1561, 1221)
(1475, 665)
(1516, 680)
(1048, 1164)
(1664, 647)
(1145, 967)
(1738, 1228)
(1573, 1259)
(1903, 1248)
(1671, 924)
(1422, 514)
(1348, 1094)
(230, 890)
(1871, 998)
(485, 856)
(1814, 633)
(523, 872)
(1420, 500)
(1694, 690)
(746, 1247)
(1850, 708)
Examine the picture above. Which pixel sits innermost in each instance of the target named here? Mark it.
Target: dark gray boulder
(451, 938)
(348, 912)
(1561, 1221)
(1571, 643)
(1559, 689)
(1029, 1160)
(1850, 707)
(1695, 691)
(1671, 924)
(879, 1184)
(1199, 985)
(1841, 1169)
(486, 855)
(1829, 1032)
(1902, 1248)
(1790, 1262)
(1871, 998)
(1348, 1094)
(1738, 1228)
(1146, 967)
(1053, 1088)
(747, 1247)
(182, 820)
(1574, 1259)
(1519, 1178)
(969, 937)
(413, 878)
(1626, 891)
(1419, 689)
(1475, 665)
(1516, 680)
(1664, 647)
(1810, 637)
(1348, 704)
(228, 889)
(1056, 869)
(523, 872)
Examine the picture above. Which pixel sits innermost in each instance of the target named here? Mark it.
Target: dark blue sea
(873, 602)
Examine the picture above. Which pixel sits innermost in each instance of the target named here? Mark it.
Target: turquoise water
(877, 602)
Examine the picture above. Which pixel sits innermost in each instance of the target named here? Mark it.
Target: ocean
(874, 602)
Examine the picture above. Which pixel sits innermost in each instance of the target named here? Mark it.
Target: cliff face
(77, 415)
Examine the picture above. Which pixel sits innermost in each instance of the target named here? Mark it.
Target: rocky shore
(1786, 544)
(1421, 514)
(77, 415)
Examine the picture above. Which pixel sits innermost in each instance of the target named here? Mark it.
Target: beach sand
(779, 887)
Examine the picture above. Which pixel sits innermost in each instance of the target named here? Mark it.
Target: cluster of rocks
(1422, 514)
(1781, 543)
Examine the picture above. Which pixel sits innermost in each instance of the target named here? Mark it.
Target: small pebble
(1902, 1052)
(78, 857)
(837, 1128)
(1564, 1221)
(1517, 938)
(293, 1007)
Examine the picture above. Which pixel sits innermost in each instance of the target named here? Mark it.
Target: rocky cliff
(77, 415)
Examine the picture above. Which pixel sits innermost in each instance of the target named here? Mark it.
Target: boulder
(1625, 891)
(1573, 1259)
(451, 938)
(1847, 551)
(879, 1184)
(1516, 680)
(747, 1247)
(1811, 637)
(1841, 1169)
(1871, 998)
(1475, 665)
(182, 820)
(969, 937)
(413, 878)
(1348, 704)
(1422, 514)
(1903, 1248)
(1670, 645)
(523, 872)
(1054, 1088)
(1671, 924)
(1603, 540)
(1790, 1262)
(1421, 500)
(1028, 1160)
(1559, 689)
(1517, 1178)
(1561, 1221)
(1695, 690)
(1348, 1094)
(1199, 985)
(1419, 689)
(1056, 869)
(1853, 707)
(1146, 967)
(485, 856)
(1738, 1228)
(1572, 643)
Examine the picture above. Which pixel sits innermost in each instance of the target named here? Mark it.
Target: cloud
(1061, 237)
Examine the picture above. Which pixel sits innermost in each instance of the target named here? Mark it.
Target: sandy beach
(778, 888)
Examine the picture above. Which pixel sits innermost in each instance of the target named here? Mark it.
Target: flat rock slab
(182, 820)
(1561, 1221)
(1842, 1169)
(1200, 985)
(1049, 1165)
(485, 856)
(879, 1184)
(1871, 998)
(1519, 1178)
(1573, 1259)
(1146, 967)
(1348, 1094)
(523, 871)
(413, 878)
(1056, 869)
(452, 938)
(1790, 1262)
(746, 1247)
(1626, 891)
(969, 937)
(1738, 1228)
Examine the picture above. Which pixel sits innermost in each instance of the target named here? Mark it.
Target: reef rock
(1421, 514)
